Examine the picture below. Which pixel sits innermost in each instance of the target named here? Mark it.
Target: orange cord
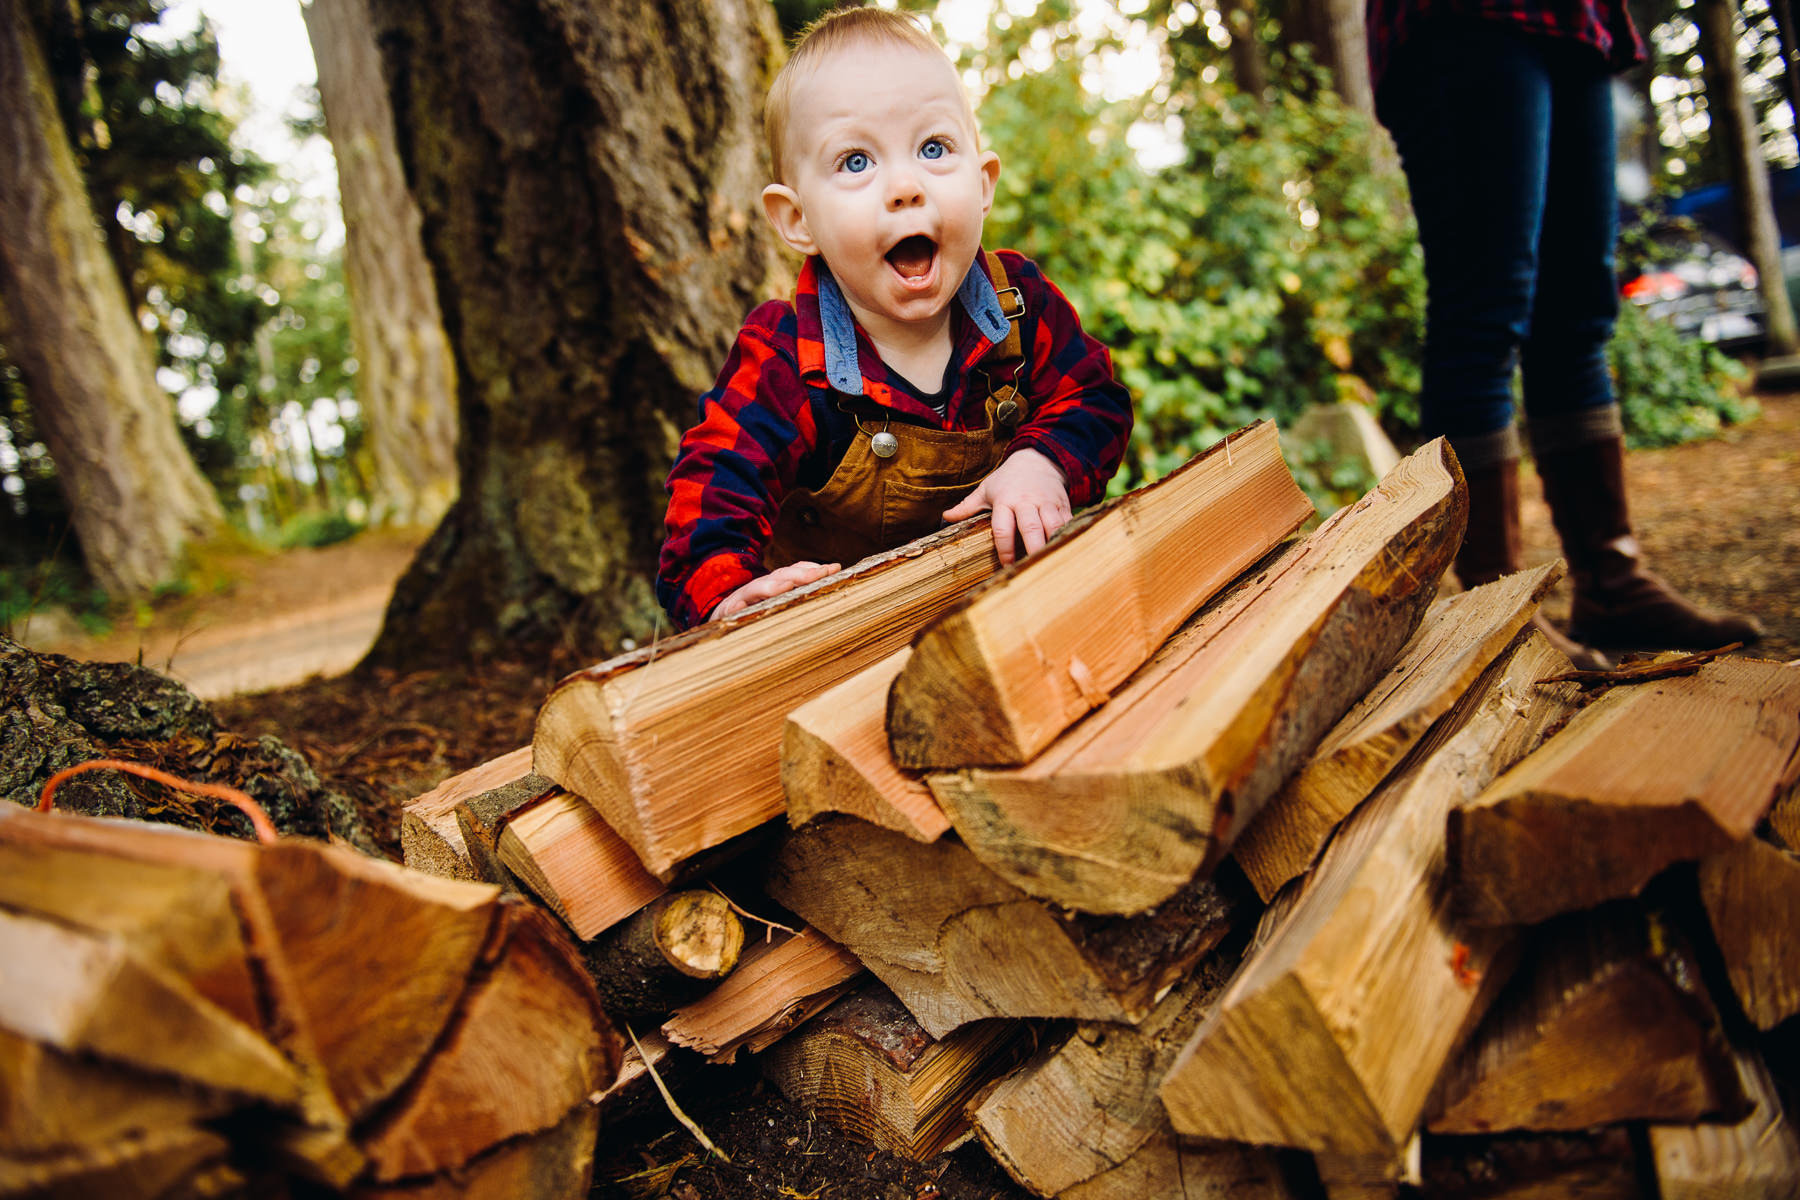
(265, 829)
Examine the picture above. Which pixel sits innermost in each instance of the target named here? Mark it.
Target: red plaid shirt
(1603, 24)
(770, 423)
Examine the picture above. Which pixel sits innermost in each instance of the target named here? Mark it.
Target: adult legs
(1470, 106)
(1507, 145)
(1571, 417)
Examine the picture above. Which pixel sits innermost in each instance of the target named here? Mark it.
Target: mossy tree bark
(588, 175)
(407, 384)
(135, 497)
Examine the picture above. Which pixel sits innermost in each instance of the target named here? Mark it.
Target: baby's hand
(782, 579)
(1030, 500)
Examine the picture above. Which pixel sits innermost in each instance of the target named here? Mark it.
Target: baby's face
(886, 181)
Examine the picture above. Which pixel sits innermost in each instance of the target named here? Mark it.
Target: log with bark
(1647, 775)
(678, 745)
(1022, 658)
(1301, 1049)
(956, 943)
(1458, 638)
(675, 948)
(868, 1067)
(1606, 1021)
(401, 1026)
(482, 818)
(835, 758)
(430, 839)
(1121, 811)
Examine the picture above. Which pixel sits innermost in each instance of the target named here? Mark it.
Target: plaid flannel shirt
(1603, 24)
(772, 423)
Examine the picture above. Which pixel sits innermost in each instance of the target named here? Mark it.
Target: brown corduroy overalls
(874, 502)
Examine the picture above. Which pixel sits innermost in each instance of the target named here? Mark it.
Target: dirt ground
(1718, 519)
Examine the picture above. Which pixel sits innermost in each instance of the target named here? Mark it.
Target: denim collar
(838, 324)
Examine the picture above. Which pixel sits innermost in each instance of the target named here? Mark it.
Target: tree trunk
(1735, 126)
(587, 174)
(135, 497)
(1336, 32)
(1247, 69)
(406, 385)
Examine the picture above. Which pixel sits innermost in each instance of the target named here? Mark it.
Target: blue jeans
(1508, 147)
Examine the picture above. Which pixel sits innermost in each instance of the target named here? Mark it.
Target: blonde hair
(834, 31)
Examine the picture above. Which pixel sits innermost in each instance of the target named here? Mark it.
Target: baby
(913, 380)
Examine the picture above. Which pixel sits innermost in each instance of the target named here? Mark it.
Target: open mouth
(913, 256)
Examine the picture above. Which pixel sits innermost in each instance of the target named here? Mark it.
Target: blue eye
(934, 148)
(856, 162)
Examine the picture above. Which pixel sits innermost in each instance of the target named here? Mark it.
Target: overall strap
(1012, 307)
(1007, 405)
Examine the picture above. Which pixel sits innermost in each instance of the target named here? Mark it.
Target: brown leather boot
(1618, 603)
(1494, 546)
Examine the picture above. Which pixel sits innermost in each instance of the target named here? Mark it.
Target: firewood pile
(1193, 855)
(1190, 856)
(183, 1014)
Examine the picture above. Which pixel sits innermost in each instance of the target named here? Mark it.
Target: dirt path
(281, 618)
(1720, 519)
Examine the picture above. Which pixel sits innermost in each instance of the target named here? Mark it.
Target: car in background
(1700, 285)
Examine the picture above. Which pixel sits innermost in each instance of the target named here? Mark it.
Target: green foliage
(1673, 388)
(25, 590)
(1270, 271)
(310, 530)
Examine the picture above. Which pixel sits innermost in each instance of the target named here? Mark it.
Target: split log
(1300, 1051)
(1757, 1158)
(143, 1165)
(363, 968)
(677, 947)
(867, 1067)
(679, 744)
(1120, 812)
(320, 924)
(777, 985)
(1458, 638)
(430, 840)
(1646, 775)
(1784, 814)
(86, 994)
(1752, 898)
(529, 1046)
(1019, 660)
(1089, 1106)
(481, 818)
(1605, 1022)
(557, 1164)
(571, 859)
(176, 917)
(956, 943)
(52, 1102)
(835, 758)
(1168, 1167)
(1593, 1164)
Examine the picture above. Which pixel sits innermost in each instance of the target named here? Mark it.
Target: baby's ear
(781, 204)
(990, 176)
